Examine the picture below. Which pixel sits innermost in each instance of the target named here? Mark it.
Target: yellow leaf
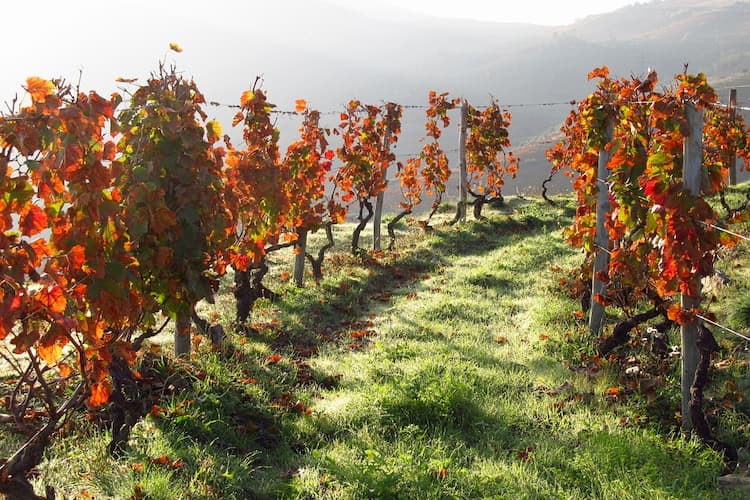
(213, 129)
(50, 353)
(246, 97)
(39, 88)
(175, 47)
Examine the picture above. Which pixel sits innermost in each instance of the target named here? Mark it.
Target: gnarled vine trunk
(248, 288)
(364, 203)
(317, 262)
(215, 331)
(480, 200)
(621, 332)
(545, 190)
(392, 228)
(706, 347)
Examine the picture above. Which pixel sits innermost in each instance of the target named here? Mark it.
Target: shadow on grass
(228, 414)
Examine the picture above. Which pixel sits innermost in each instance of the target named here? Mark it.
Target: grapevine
(309, 161)
(663, 238)
(429, 171)
(487, 155)
(368, 132)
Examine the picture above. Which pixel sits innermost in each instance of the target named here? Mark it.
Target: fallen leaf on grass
(525, 455)
(156, 411)
(137, 492)
(166, 461)
(287, 402)
(359, 334)
(273, 359)
(724, 363)
(306, 351)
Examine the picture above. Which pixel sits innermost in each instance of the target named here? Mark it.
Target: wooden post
(733, 158)
(376, 237)
(300, 248)
(601, 240)
(691, 178)
(378, 216)
(182, 335)
(463, 177)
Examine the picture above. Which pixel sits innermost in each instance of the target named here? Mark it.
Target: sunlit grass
(459, 387)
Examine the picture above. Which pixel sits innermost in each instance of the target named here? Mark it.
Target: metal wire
(722, 327)
(725, 230)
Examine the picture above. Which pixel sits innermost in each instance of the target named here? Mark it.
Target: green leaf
(140, 174)
(115, 271)
(138, 228)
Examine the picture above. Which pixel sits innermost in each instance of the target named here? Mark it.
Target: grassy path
(464, 393)
(437, 373)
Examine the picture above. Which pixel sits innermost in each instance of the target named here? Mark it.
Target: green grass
(460, 387)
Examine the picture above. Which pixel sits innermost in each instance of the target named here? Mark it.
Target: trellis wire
(722, 327)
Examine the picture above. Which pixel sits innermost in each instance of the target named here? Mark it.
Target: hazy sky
(228, 42)
(547, 12)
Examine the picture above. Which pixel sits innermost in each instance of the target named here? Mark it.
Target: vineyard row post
(691, 177)
(182, 335)
(601, 239)
(376, 221)
(300, 248)
(733, 153)
(463, 177)
(378, 216)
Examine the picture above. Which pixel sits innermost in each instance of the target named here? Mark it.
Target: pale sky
(226, 42)
(545, 12)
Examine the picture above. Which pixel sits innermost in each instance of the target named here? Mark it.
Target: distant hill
(709, 36)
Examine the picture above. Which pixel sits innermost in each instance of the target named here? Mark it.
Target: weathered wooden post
(182, 335)
(376, 234)
(462, 175)
(691, 179)
(601, 240)
(300, 247)
(733, 157)
(378, 216)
